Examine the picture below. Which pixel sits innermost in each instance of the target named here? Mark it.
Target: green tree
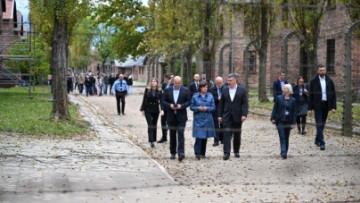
(304, 16)
(56, 20)
(259, 21)
(127, 19)
(80, 48)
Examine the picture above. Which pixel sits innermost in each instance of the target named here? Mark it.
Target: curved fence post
(347, 113)
(221, 59)
(246, 63)
(284, 51)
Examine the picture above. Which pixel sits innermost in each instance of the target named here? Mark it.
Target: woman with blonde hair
(151, 107)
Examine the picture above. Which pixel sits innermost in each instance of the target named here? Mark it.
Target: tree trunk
(262, 54)
(59, 56)
(189, 64)
(206, 52)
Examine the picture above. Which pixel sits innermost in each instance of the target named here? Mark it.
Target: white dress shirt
(232, 92)
(323, 88)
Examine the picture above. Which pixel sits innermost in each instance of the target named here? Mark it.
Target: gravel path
(260, 175)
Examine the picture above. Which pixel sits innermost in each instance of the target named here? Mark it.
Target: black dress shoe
(198, 156)
(152, 145)
(216, 144)
(172, 156)
(303, 132)
(237, 155)
(317, 144)
(181, 157)
(123, 113)
(284, 156)
(161, 140)
(203, 156)
(226, 157)
(322, 147)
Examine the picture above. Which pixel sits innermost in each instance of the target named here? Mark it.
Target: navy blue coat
(277, 91)
(203, 123)
(316, 95)
(233, 109)
(183, 99)
(278, 112)
(192, 88)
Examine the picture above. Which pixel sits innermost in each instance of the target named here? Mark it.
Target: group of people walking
(221, 108)
(292, 106)
(218, 113)
(95, 84)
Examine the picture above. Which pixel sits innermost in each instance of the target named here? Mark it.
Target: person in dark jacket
(322, 100)
(194, 86)
(301, 109)
(278, 85)
(176, 99)
(164, 127)
(232, 112)
(87, 83)
(216, 92)
(283, 116)
(202, 104)
(151, 107)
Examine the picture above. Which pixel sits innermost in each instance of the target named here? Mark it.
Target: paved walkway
(105, 168)
(109, 168)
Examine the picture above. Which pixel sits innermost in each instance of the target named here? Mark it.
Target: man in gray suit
(232, 112)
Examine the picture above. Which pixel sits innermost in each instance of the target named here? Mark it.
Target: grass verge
(32, 116)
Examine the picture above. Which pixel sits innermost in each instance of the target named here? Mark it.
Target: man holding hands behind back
(176, 99)
(232, 112)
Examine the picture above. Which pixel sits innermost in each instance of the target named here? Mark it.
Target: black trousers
(177, 138)
(232, 128)
(218, 129)
(301, 120)
(152, 119)
(120, 97)
(164, 126)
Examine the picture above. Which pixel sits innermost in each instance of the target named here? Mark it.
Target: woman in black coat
(301, 108)
(283, 115)
(151, 107)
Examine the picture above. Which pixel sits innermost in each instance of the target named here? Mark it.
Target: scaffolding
(14, 36)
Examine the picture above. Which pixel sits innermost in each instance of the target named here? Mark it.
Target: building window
(330, 55)
(252, 62)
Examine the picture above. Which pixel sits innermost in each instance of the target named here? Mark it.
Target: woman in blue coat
(283, 115)
(202, 104)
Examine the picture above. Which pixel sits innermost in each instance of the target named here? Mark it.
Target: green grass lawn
(267, 107)
(32, 116)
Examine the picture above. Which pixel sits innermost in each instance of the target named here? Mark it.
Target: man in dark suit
(167, 83)
(278, 85)
(193, 87)
(322, 99)
(232, 112)
(175, 100)
(216, 92)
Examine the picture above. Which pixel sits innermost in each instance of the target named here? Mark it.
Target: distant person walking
(301, 109)
(232, 112)
(176, 99)
(164, 127)
(202, 104)
(278, 85)
(120, 89)
(283, 116)
(322, 100)
(151, 107)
